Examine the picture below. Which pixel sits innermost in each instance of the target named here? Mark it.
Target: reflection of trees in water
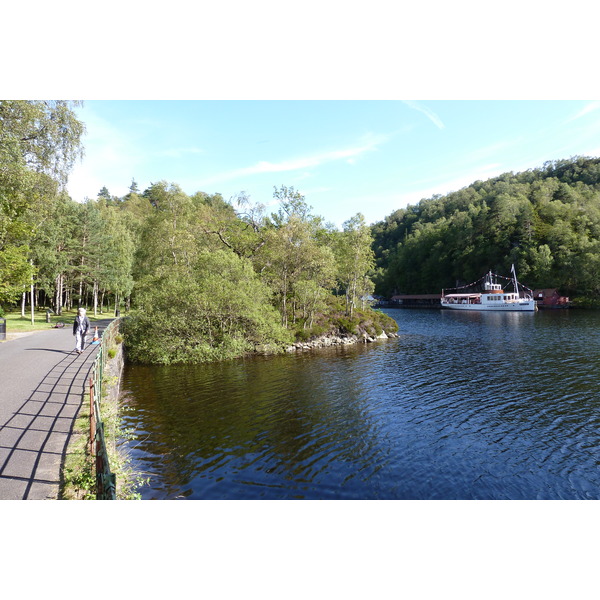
(289, 415)
(459, 406)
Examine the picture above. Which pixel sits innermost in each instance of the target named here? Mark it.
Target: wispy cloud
(588, 108)
(493, 150)
(427, 112)
(349, 154)
(451, 185)
(179, 152)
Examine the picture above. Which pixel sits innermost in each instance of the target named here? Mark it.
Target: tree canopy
(203, 277)
(39, 141)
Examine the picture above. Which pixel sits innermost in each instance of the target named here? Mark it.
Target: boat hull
(520, 307)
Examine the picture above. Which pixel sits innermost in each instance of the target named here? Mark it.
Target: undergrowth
(335, 321)
(79, 472)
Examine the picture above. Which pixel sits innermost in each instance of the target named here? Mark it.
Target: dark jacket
(86, 325)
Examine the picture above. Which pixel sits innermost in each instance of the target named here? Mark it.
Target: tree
(355, 260)
(46, 134)
(292, 253)
(114, 256)
(39, 142)
(217, 309)
(54, 249)
(239, 224)
(291, 204)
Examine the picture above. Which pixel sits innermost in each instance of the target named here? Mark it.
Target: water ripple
(490, 406)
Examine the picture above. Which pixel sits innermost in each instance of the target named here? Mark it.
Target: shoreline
(327, 341)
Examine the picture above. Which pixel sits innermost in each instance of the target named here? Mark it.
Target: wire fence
(105, 480)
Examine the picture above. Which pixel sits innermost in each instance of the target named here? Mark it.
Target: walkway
(42, 383)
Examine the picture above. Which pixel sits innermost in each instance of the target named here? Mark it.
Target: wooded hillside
(545, 221)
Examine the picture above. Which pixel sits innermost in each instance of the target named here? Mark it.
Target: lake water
(460, 406)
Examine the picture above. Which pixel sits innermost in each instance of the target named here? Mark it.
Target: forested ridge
(200, 277)
(545, 221)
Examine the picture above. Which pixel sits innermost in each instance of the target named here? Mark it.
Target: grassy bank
(15, 323)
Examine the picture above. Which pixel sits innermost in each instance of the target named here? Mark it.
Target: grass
(78, 478)
(127, 478)
(15, 323)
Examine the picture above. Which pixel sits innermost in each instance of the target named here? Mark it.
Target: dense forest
(545, 221)
(201, 278)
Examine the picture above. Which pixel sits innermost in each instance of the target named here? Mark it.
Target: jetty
(411, 301)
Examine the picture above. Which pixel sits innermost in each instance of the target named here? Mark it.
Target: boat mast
(515, 282)
(489, 280)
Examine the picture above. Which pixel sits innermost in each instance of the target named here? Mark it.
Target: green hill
(545, 221)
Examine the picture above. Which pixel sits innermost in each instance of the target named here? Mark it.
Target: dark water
(460, 406)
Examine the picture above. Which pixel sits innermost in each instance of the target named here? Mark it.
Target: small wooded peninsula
(213, 279)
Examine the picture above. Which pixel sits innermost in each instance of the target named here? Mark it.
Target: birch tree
(355, 260)
(39, 142)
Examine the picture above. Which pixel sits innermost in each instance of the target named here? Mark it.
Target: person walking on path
(81, 326)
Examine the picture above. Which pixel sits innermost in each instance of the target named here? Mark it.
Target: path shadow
(51, 350)
(34, 440)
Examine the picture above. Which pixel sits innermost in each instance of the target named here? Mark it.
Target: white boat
(492, 296)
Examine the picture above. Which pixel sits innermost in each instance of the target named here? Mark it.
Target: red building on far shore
(550, 298)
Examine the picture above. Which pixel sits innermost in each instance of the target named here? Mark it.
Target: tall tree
(355, 260)
(46, 134)
(39, 142)
(293, 254)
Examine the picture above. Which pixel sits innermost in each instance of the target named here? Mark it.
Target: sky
(343, 156)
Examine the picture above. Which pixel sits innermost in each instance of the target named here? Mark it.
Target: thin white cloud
(369, 144)
(588, 108)
(179, 152)
(446, 187)
(493, 150)
(427, 112)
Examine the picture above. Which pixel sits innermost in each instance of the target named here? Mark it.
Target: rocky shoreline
(326, 341)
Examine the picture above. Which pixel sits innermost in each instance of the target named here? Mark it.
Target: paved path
(42, 385)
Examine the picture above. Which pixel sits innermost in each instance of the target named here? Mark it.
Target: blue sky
(344, 156)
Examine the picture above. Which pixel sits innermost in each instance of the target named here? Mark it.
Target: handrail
(105, 479)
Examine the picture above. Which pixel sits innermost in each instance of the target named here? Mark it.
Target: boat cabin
(492, 287)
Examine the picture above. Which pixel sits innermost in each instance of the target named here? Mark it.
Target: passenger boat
(492, 296)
